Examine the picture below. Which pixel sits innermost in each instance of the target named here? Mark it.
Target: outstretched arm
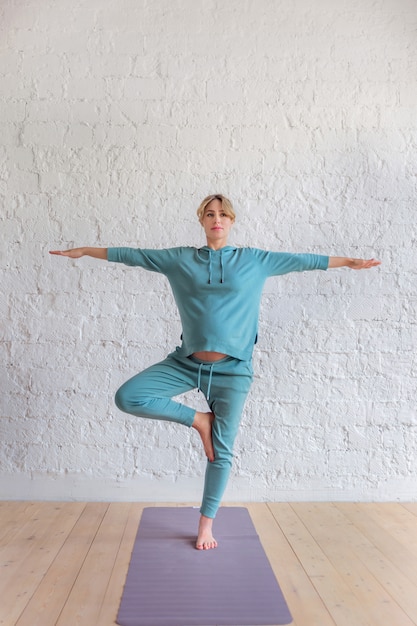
(354, 264)
(77, 253)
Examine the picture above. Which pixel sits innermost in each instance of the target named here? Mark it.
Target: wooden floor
(344, 564)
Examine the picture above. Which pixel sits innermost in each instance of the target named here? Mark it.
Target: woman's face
(216, 224)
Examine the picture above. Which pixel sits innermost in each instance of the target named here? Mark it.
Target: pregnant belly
(209, 356)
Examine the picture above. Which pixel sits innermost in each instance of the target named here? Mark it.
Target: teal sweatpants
(225, 384)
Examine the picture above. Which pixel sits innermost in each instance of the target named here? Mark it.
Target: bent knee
(126, 403)
(120, 401)
(136, 404)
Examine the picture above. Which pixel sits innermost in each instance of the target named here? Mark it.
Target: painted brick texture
(116, 119)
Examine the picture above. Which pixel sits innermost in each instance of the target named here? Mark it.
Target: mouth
(217, 228)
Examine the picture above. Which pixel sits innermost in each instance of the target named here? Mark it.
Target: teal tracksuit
(218, 294)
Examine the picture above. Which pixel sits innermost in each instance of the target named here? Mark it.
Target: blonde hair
(226, 206)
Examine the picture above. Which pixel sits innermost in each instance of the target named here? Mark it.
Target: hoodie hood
(216, 258)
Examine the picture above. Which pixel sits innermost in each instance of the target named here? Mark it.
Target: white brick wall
(116, 118)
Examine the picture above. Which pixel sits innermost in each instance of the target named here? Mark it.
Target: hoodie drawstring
(210, 366)
(210, 264)
(221, 268)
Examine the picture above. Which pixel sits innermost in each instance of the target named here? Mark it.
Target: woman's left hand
(363, 264)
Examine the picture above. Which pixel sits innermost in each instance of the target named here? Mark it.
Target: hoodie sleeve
(152, 260)
(277, 263)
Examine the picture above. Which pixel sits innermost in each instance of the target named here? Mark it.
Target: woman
(217, 289)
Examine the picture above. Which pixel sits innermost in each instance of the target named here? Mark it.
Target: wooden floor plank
(377, 553)
(27, 537)
(344, 546)
(87, 595)
(111, 601)
(363, 516)
(34, 556)
(410, 506)
(338, 597)
(399, 522)
(45, 606)
(305, 604)
(13, 515)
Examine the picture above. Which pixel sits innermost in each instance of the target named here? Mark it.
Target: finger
(61, 252)
(368, 264)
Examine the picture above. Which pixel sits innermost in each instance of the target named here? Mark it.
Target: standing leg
(229, 389)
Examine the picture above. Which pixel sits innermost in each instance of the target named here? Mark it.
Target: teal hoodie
(218, 292)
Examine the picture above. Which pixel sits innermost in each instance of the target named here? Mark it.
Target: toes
(206, 545)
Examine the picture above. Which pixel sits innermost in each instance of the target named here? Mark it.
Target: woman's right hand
(75, 253)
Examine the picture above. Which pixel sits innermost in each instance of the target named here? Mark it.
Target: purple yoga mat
(170, 583)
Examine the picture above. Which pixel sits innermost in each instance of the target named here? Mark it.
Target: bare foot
(203, 425)
(205, 539)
